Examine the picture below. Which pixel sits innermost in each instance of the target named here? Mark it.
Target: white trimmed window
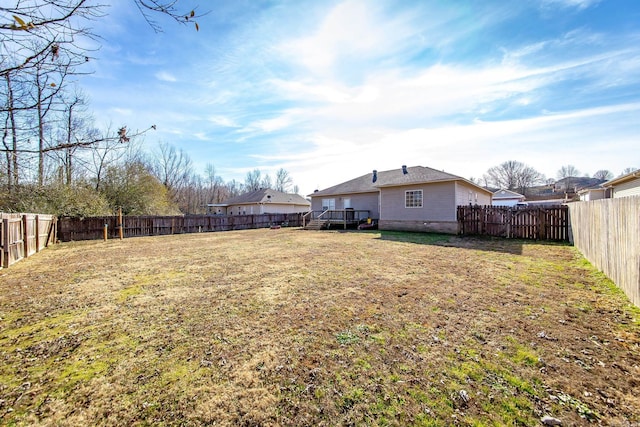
(328, 204)
(413, 199)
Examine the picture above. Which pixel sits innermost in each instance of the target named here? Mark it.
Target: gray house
(262, 201)
(410, 198)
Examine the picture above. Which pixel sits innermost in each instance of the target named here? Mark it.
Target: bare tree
(168, 8)
(566, 173)
(283, 180)
(58, 26)
(629, 170)
(266, 182)
(513, 175)
(106, 152)
(234, 188)
(214, 184)
(253, 180)
(172, 168)
(44, 31)
(41, 45)
(603, 174)
(77, 126)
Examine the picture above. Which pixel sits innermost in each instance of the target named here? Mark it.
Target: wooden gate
(12, 240)
(22, 235)
(536, 223)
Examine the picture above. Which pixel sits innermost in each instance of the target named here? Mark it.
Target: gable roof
(622, 179)
(267, 195)
(506, 194)
(392, 178)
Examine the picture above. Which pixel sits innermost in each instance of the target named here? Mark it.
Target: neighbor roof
(506, 194)
(267, 195)
(391, 178)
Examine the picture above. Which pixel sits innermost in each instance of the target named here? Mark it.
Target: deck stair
(316, 224)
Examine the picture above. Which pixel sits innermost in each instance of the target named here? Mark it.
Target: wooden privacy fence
(607, 232)
(23, 234)
(537, 223)
(93, 228)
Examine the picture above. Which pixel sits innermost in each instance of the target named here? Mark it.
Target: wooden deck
(345, 218)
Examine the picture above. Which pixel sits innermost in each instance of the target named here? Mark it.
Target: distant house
(593, 193)
(261, 201)
(505, 197)
(625, 185)
(410, 198)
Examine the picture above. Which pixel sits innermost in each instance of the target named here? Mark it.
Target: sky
(331, 90)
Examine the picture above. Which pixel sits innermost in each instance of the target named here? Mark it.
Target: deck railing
(337, 216)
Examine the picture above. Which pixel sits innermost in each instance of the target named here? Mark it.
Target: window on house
(328, 204)
(413, 199)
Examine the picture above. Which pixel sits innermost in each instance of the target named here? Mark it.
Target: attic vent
(375, 176)
(404, 169)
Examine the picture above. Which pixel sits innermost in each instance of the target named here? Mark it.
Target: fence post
(37, 231)
(542, 224)
(25, 235)
(120, 224)
(5, 242)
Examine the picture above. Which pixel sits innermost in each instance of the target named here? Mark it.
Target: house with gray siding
(262, 201)
(413, 198)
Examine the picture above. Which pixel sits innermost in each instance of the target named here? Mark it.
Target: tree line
(517, 176)
(108, 175)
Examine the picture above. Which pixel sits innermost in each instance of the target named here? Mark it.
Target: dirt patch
(291, 327)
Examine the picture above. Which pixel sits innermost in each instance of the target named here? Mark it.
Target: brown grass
(290, 327)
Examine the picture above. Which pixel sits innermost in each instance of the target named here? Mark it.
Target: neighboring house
(411, 198)
(593, 193)
(625, 185)
(504, 197)
(261, 201)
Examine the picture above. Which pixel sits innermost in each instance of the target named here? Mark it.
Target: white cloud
(352, 29)
(165, 76)
(544, 142)
(223, 121)
(579, 4)
(122, 111)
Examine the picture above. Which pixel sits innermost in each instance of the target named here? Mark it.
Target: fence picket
(133, 226)
(607, 232)
(536, 223)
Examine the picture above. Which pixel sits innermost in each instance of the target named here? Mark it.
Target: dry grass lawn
(291, 327)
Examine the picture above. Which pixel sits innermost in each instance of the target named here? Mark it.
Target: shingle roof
(506, 194)
(391, 178)
(265, 195)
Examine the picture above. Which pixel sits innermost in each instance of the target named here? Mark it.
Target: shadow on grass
(482, 243)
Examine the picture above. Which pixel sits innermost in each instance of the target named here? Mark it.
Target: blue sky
(330, 90)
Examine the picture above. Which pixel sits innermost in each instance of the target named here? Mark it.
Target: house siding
(257, 209)
(626, 189)
(360, 202)
(437, 214)
(590, 195)
(464, 190)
